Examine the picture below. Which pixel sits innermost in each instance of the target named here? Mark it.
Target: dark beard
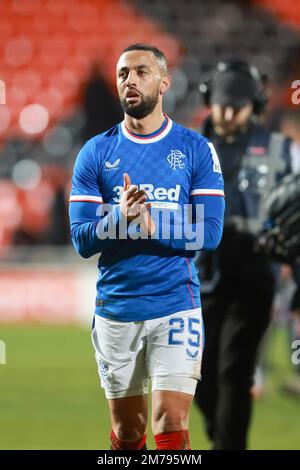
(141, 110)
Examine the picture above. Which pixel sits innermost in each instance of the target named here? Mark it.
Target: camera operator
(238, 283)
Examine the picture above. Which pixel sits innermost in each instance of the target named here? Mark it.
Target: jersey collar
(148, 139)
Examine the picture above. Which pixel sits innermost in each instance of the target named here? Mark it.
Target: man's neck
(146, 125)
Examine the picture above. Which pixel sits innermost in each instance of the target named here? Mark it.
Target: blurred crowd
(35, 174)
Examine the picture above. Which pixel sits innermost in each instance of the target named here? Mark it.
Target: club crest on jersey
(112, 166)
(175, 158)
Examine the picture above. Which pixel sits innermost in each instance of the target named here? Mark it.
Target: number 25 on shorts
(178, 331)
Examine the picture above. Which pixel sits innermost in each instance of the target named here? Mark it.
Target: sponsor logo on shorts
(192, 355)
(103, 370)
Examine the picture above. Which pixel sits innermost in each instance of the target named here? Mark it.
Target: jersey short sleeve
(207, 175)
(85, 186)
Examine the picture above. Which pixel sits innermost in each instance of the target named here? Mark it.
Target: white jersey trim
(147, 140)
(85, 198)
(207, 192)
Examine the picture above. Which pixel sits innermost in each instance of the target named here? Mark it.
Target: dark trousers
(235, 319)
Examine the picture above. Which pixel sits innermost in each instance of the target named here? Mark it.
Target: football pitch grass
(50, 396)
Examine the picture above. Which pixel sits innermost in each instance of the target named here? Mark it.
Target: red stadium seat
(50, 46)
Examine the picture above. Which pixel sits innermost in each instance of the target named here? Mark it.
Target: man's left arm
(207, 208)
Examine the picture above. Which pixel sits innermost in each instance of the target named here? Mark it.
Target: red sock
(118, 444)
(173, 440)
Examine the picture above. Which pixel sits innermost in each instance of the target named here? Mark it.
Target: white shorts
(167, 350)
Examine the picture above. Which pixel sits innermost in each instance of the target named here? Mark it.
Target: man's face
(228, 120)
(141, 83)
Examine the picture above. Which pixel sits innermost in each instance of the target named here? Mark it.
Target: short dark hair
(160, 56)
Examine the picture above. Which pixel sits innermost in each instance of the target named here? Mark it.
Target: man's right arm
(87, 227)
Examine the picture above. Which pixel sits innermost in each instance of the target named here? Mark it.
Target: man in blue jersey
(135, 200)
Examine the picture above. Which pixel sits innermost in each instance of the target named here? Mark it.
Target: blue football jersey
(143, 278)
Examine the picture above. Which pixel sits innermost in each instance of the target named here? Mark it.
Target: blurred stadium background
(57, 67)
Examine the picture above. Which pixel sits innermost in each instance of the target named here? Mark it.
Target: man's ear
(165, 84)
